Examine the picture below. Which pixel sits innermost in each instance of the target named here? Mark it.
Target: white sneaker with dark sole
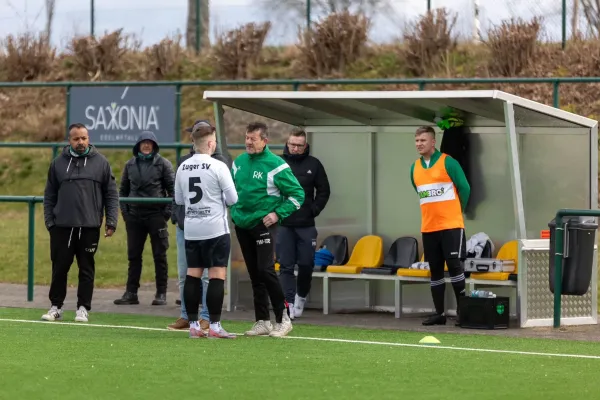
(81, 315)
(54, 314)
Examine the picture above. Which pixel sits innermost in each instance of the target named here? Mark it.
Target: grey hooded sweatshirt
(80, 189)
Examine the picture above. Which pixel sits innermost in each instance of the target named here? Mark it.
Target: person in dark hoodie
(297, 235)
(146, 174)
(178, 218)
(80, 190)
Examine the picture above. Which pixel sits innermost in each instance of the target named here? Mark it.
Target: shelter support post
(219, 127)
(515, 170)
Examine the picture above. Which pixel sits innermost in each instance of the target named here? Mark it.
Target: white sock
(215, 326)
(195, 325)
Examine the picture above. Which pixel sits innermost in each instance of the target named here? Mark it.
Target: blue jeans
(182, 272)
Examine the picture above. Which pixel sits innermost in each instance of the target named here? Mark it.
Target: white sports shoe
(283, 328)
(54, 314)
(290, 309)
(299, 306)
(81, 315)
(260, 328)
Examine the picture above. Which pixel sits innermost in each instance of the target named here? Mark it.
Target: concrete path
(12, 295)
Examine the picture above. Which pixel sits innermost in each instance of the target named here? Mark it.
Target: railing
(31, 202)
(295, 84)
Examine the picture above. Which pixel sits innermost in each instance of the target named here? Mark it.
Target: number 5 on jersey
(194, 187)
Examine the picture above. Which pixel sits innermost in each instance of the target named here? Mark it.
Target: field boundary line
(351, 341)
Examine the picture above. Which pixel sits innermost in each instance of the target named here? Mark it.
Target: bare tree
(591, 12)
(204, 24)
(298, 8)
(49, 17)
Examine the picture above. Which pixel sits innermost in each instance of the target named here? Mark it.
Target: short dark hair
(298, 132)
(202, 131)
(425, 129)
(258, 126)
(77, 125)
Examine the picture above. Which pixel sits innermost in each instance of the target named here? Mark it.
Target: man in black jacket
(178, 218)
(147, 174)
(80, 190)
(297, 235)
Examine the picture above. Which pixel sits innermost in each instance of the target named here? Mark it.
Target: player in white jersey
(205, 187)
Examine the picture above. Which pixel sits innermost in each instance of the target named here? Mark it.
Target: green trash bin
(578, 264)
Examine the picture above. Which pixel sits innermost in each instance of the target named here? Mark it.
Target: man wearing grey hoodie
(80, 190)
(146, 174)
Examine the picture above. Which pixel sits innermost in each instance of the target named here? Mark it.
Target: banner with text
(118, 114)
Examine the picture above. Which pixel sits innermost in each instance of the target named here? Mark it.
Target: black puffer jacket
(312, 177)
(151, 176)
(80, 189)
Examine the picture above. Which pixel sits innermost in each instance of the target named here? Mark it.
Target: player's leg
(305, 248)
(265, 239)
(434, 255)
(286, 254)
(192, 290)
(454, 245)
(136, 239)
(182, 322)
(217, 250)
(61, 254)
(159, 241)
(247, 242)
(85, 251)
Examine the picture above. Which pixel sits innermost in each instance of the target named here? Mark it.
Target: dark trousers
(138, 229)
(66, 244)
(257, 246)
(296, 246)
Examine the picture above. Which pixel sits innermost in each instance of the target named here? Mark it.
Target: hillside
(337, 47)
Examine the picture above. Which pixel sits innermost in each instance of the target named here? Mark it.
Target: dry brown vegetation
(336, 46)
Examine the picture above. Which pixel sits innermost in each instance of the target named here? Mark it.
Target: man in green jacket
(268, 192)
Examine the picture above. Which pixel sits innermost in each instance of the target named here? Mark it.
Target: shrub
(428, 42)
(334, 43)
(165, 59)
(237, 51)
(98, 59)
(512, 46)
(27, 56)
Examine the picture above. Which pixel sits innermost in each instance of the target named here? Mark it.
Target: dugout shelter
(527, 161)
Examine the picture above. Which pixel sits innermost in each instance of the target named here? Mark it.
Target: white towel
(420, 265)
(477, 242)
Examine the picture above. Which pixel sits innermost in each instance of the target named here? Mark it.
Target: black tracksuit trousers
(257, 245)
(138, 230)
(66, 244)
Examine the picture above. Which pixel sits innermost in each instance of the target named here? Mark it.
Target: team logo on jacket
(431, 193)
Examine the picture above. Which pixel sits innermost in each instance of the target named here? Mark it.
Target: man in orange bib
(443, 192)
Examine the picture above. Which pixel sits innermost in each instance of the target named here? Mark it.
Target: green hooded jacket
(264, 183)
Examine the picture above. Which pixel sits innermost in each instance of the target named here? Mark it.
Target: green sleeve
(457, 175)
(291, 191)
(412, 176)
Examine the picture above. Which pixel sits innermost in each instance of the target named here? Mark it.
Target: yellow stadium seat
(277, 267)
(508, 251)
(419, 273)
(367, 253)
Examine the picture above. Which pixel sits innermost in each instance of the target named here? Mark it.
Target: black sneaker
(127, 299)
(160, 299)
(437, 319)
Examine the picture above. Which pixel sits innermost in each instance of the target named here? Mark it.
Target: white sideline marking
(143, 328)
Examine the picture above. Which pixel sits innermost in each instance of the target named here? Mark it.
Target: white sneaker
(260, 328)
(299, 306)
(81, 315)
(283, 328)
(54, 314)
(290, 309)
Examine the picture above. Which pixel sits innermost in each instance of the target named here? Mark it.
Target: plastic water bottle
(482, 293)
